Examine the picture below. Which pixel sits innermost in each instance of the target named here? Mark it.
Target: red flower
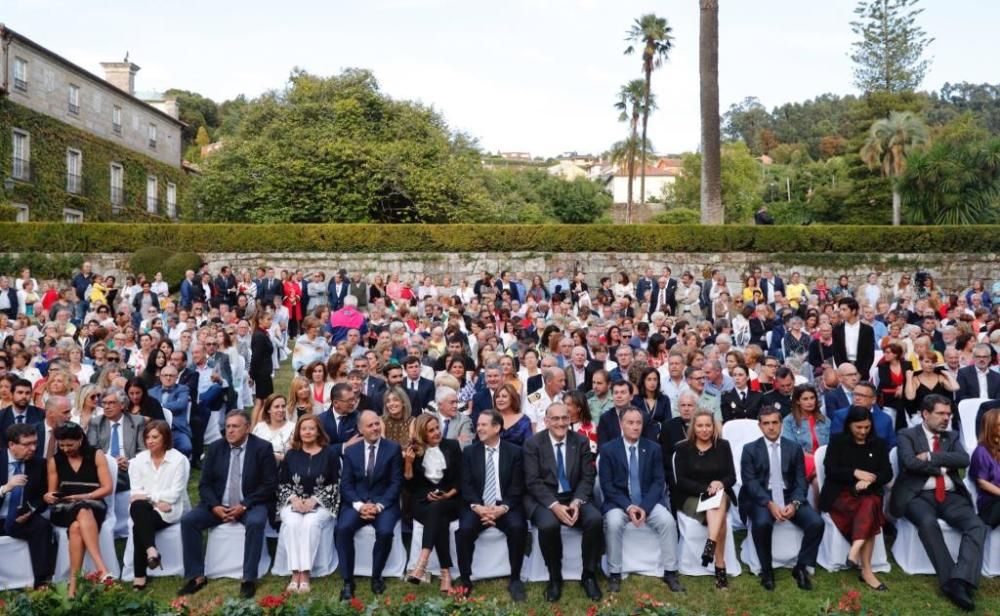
(357, 604)
(409, 598)
(271, 601)
(592, 610)
(850, 602)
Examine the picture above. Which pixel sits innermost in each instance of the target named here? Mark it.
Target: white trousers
(300, 534)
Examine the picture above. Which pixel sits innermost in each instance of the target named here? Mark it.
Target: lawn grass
(907, 594)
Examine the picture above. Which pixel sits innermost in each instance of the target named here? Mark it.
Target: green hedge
(111, 237)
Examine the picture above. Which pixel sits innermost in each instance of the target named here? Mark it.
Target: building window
(74, 99)
(117, 186)
(21, 168)
(171, 200)
(20, 74)
(72, 216)
(152, 136)
(152, 201)
(116, 119)
(74, 171)
(22, 212)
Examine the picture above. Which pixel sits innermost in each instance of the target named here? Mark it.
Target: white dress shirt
(983, 383)
(851, 333)
(167, 483)
(931, 482)
(368, 453)
(496, 467)
(434, 464)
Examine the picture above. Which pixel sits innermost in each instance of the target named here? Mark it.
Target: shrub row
(111, 237)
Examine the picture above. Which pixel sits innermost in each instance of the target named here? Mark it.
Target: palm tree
(630, 104)
(890, 141)
(654, 36)
(711, 146)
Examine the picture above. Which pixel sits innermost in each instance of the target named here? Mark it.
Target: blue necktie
(13, 502)
(563, 481)
(19, 419)
(115, 443)
(447, 422)
(634, 489)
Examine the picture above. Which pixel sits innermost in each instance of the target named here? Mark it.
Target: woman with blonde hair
(87, 405)
(300, 399)
(271, 424)
(397, 417)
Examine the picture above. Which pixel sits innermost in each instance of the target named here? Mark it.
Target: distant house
(569, 170)
(515, 155)
(657, 180)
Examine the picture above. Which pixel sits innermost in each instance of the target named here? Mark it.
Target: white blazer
(167, 484)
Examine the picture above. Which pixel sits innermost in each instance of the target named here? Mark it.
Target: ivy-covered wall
(45, 194)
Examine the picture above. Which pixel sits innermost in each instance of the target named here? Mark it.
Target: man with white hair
(347, 318)
(454, 425)
(553, 382)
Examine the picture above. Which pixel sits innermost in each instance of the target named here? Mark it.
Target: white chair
(168, 416)
(364, 543)
(967, 410)
(692, 543)
(907, 549)
(122, 520)
(224, 552)
(491, 559)
(15, 566)
(738, 433)
(835, 548)
(212, 432)
(786, 538)
(891, 412)
(168, 544)
(325, 561)
(991, 551)
(106, 538)
(572, 560)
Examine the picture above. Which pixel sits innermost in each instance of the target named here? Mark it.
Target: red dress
(293, 299)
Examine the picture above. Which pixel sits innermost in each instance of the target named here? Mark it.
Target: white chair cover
(212, 432)
(738, 433)
(967, 410)
(572, 561)
(835, 548)
(325, 562)
(168, 416)
(122, 517)
(490, 560)
(786, 538)
(991, 551)
(224, 553)
(106, 538)
(891, 412)
(364, 543)
(168, 544)
(15, 566)
(692, 543)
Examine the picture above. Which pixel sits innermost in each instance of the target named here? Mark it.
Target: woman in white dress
(273, 426)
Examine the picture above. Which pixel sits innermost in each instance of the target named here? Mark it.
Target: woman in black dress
(930, 379)
(704, 467)
(431, 467)
(261, 362)
(79, 479)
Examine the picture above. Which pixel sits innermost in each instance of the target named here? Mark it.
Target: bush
(148, 260)
(42, 265)
(678, 216)
(176, 265)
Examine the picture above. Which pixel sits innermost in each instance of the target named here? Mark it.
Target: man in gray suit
(559, 475)
(454, 425)
(117, 433)
(929, 488)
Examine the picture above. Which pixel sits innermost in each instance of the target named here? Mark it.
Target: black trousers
(37, 531)
(549, 528)
(436, 516)
(991, 513)
(924, 512)
(145, 522)
(511, 524)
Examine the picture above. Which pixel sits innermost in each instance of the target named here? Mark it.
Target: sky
(539, 76)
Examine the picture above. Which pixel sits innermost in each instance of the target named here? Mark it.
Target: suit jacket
(387, 476)
(336, 292)
(882, 425)
(176, 399)
(260, 473)
(779, 285)
(589, 369)
(129, 437)
(33, 415)
(776, 399)
(36, 487)
(420, 486)
(913, 472)
(423, 396)
(609, 427)
(187, 294)
(267, 292)
(968, 384)
(510, 286)
(661, 410)
(481, 401)
(613, 471)
(459, 429)
(541, 474)
(836, 399)
(510, 466)
(670, 297)
(642, 285)
(733, 407)
(338, 436)
(755, 471)
(372, 386)
(11, 312)
(866, 348)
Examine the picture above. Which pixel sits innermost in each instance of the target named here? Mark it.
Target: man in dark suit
(504, 283)
(781, 396)
(20, 411)
(226, 287)
(929, 488)
(337, 289)
(972, 379)
(238, 484)
(774, 490)
(268, 288)
(483, 399)
(493, 489)
(842, 396)
(23, 482)
(609, 425)
(559, 475)
(853, 340)
(370, 482)
(770, 284)
(631, 476)
(580, 371)
(645, 283)
(419, 389)
(663, 295)
(340, 422)
(371, 385)
(8, 298)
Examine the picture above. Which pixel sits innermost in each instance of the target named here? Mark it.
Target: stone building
(82, 147)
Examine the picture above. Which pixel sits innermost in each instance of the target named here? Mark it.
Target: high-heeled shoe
(445, 581)
(419, 575)
(721, 578)
(880, 588)
(708, 555)
(153, 562)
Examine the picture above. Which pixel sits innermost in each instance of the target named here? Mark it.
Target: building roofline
(7, 33)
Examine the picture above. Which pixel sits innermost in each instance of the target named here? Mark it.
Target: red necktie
(939, 480)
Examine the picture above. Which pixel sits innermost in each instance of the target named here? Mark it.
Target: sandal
(303, 588)
(419, 574)
(293, 587)
(445, 582)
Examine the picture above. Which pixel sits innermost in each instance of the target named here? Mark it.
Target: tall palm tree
(654, 36)
(890, 140)
(631, 104)
(711, 146)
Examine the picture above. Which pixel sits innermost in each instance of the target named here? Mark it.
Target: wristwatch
(796, 504)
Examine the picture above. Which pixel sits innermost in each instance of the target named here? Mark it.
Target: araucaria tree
(890, 141)
(631, 105)
(653, 36)
(889, 54)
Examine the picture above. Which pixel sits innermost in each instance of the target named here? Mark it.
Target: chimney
(121, 75)
(168, 106)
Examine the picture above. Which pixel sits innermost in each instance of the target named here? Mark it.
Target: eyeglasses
(168, 376)
(981, 356)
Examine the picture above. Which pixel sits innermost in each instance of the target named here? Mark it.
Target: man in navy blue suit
(370, 481)
(238, 484)
(774, 490)
(842, 396)
(337, 290)
(341, 422)
(493, 489)
(22, 484)
(631, 477)
(882, 424)
(20, 411)
(419, 389)
(609, 425)
(483, 399)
